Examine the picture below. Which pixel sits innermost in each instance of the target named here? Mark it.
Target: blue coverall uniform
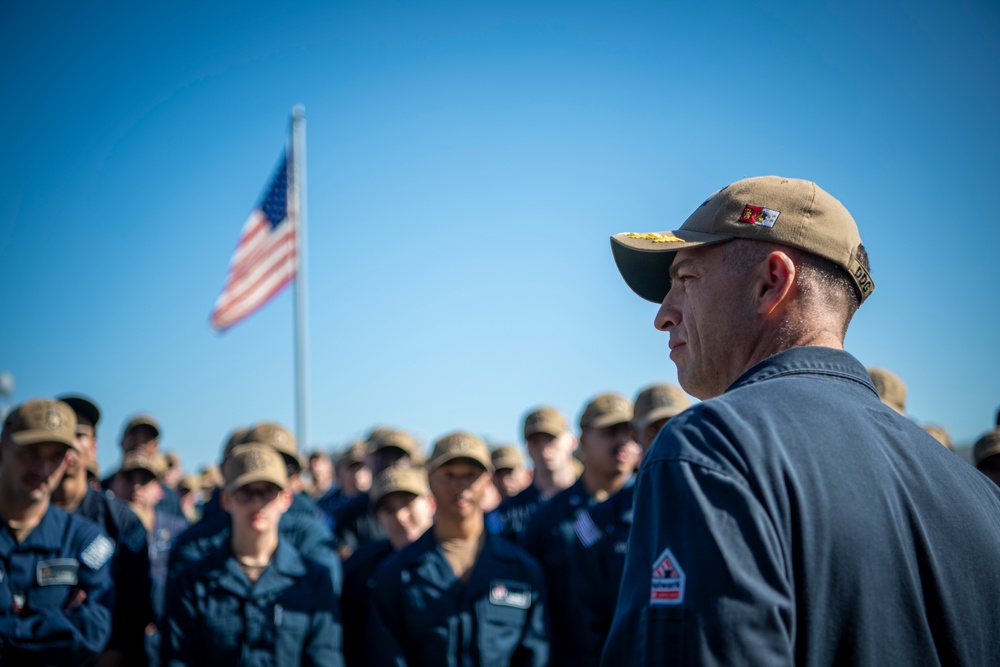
(39, 577)
(130, 570)
(550, 538)
(796, 519)
(511, 517)
(288, 617)
(423, 615)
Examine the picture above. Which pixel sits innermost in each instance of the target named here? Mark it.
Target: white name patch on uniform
(58, 572)
(667, 583)
(510, 594)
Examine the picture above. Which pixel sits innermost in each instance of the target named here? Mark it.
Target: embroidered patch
(655, 238)
(58, 572)
(621, 547)
(586, 531)
(97, 553)
(510, 594)
(667, 584)
(758, 215)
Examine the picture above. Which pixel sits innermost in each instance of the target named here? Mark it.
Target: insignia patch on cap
(510, 594)
(758, 215)
(667, 583)
(655, 238)
(97, 553)
(53, 420)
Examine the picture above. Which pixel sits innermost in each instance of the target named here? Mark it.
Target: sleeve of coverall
(324, 647)
(701, 536)
(385, 623)
(534, 648)
(61, 636)
(316, 542)
(180, 636)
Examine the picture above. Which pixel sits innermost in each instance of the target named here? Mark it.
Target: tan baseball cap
(788, 211)
(460, 445)
(354, 453)
(41, 420)
(142, 420)
(274, 435)
(606, 410)
(506, 457)
(890, 388)
(383, 438)
(254, 462)
(544, 420)
(660, 401)
(986, 446)
(140, 460)
(398, 480)
(189, 483)
(235, 437)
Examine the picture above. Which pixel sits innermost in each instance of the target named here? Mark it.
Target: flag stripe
(246, 287)
(269, 254)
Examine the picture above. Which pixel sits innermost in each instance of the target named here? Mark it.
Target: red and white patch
(758, 215)
(667, 583)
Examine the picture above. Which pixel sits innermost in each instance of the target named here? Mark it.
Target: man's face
(320, 469)
(388, 457)
(511, 481)
(87, 444)
(405, 517)
(354, 479)
(610, 450)
(257, 506)
(140, 437)
(138, 487)
(708, 313)
(459, 487)
(29, 473)
(648, 433)
(550, 452)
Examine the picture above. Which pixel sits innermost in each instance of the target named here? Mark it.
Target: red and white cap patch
(667, 583)
(758, 215)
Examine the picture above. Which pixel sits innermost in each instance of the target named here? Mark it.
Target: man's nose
(667, 316)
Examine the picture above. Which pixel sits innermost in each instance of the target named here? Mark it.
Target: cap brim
(657, 415)
(434, 464)
(644, 259)
(36, 436)
(611, 420)
(251, 477)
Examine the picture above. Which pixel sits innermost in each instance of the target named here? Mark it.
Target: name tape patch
(510, 594)
(58, 572)
(667, 583)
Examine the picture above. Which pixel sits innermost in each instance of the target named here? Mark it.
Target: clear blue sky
(467, 164)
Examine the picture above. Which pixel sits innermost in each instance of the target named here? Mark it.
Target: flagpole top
(298, 112)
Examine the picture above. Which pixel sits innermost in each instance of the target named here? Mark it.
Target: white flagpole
(301, 282)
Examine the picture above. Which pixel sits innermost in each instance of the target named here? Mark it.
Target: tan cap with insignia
(274, 435)
(890, 388)
(140, 460)
(507, 457)
(606, 410)
(788, 211)
(41, 420)
(254, 462)
(660, 401)
(986, 446)
(398, 480)
(460, 445)
(545, 420)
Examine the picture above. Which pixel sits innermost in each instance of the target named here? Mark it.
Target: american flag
(265, 257)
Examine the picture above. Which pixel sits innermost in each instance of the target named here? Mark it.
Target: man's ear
(776, 278)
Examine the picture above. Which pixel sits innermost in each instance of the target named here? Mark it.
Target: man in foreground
(55, 589)
(791, 517)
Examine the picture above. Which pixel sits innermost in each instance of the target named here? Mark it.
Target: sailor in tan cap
(458, 595)
(767, 517)
(890, 387)
(56, 587)
(511, 475)
(255, 599)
